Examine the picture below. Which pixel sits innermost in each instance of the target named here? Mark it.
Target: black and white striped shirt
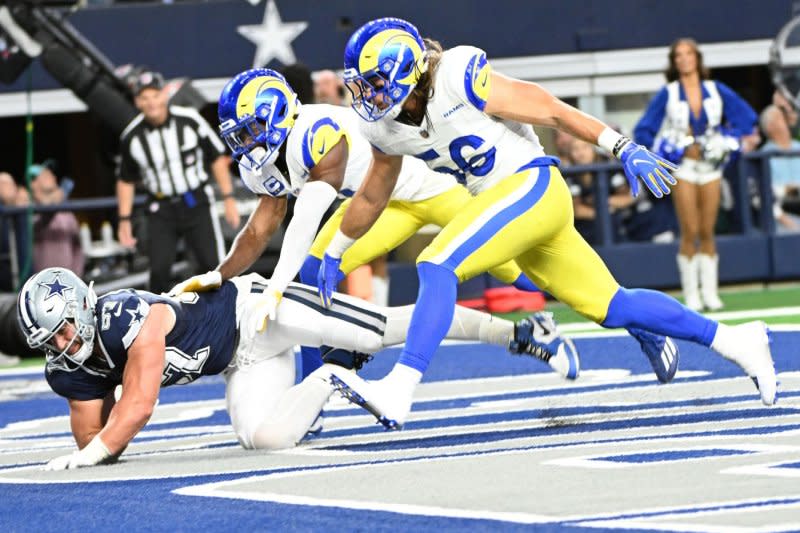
(170, 159)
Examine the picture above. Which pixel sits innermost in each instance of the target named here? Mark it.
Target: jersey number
(109, 308)
(475, 164)
(181, 368)
(273, 186)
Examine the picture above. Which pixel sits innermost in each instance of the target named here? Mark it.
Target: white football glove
(94, 453)
(263, 308)
(201, 283)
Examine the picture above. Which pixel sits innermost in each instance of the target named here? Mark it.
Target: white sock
(380, 291)
(469, 324)
(724, 343)
(403, 379)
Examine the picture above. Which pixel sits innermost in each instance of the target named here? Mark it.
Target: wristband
(123, 218)
(227, 195)
(96, 451)
(339, 244)
(612, 141)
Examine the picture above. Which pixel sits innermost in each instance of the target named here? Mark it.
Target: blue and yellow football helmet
(257, 109)
(384, 59)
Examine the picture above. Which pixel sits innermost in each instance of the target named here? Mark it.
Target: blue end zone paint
(671, 455)
(150, 504)
(465, 362)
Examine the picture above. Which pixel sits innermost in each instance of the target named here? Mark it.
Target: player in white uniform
(327, 156)
(145, 341)
(449, 109)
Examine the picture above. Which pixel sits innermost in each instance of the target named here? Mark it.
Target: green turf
(735, 299)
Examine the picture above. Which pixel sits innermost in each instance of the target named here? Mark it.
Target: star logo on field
(55, 288)
(272, 37)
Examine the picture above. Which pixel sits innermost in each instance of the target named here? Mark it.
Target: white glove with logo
(263, 308)
(94, 453)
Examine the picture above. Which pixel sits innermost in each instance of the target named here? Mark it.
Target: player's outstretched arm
(325, 180)
(528, 102)
(252, 240)
(87, 418)
(367, 205)
(141, 382)
(247, 247)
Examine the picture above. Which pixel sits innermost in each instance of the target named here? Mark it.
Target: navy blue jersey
(202, 342)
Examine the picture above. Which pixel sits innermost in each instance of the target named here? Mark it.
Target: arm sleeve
(647, 128)
(314, 200)
(737, 112)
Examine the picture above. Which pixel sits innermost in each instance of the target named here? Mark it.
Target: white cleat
(753, 355)
(388, 406)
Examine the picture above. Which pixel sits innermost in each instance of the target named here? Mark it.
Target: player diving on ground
(145, 341)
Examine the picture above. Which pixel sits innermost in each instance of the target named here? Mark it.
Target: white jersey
(456, 136)
(319, 127)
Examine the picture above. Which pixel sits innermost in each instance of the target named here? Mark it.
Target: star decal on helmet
(55, 288)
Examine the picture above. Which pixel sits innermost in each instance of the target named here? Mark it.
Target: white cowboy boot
(709, 281)
(690, 282)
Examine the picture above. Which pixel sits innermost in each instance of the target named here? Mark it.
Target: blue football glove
(654, 171)
(328, 278)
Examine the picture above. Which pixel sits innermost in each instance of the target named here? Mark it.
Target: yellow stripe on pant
(399, 221)
(528, 217)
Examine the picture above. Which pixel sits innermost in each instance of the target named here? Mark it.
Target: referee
(172, 150)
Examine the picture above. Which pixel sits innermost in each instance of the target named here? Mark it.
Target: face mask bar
(249, 139)
(364, 89)
(61, 359)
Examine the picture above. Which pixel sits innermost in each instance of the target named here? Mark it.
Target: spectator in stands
(563, 142)
(789, 111)
(56, 237)
(8, 189)
(329, 88)
(299, 78)
(582, 187)
(8, 198)
(784, 170)
(695, 110)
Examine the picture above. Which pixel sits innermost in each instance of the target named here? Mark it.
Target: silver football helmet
(46, 302)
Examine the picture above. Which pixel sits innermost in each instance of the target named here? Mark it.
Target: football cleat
(753, 355)
(349, 393)
(660, 351)
(538, 336)
(316, 426)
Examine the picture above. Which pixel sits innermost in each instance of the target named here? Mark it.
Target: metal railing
(9, 213)
(753, 165)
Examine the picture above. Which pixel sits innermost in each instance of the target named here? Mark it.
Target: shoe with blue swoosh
(538, 336)
(367, 395)
(660, 351)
